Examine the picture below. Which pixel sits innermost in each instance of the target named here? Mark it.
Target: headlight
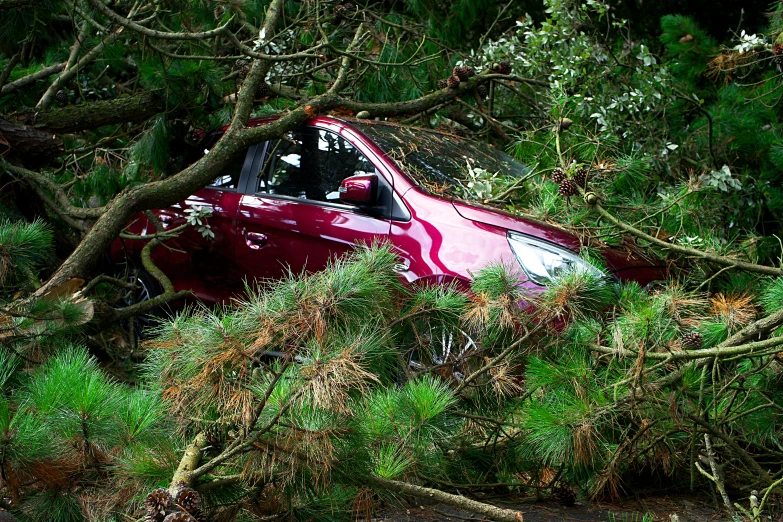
(543, 261)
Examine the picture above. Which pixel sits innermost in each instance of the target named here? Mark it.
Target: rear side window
(310, 163)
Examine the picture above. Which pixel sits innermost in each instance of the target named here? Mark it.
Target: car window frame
(261, 157)
(250, 153)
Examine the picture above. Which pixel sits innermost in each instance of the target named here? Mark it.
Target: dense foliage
(322, 395)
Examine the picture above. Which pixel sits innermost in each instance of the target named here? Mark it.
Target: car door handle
(255, 240)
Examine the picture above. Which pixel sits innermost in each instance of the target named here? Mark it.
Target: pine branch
(488, 510)
(717, 476)
(15, 59)
(152, 33)
(754, 466)
(48, 95)
(31, 78)
(722, 351)
(190, 461)
(60, 196)
(592, 201)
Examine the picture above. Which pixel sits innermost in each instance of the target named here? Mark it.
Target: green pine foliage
(690, 47)
(25, 248)
(69, 418)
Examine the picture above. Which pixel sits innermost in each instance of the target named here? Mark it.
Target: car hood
(617, 260)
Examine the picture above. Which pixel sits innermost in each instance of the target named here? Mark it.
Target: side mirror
(360, 190)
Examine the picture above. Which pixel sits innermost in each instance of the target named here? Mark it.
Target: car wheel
(444, 352)
(144, 288)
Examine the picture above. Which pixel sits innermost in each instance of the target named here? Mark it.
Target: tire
(447, 354)
(145, 288)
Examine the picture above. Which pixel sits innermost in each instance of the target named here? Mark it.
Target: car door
(204, 262)
(293, 219)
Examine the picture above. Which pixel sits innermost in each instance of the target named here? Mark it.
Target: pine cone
(558, 176)
(564, 495)
(568, 188)
(463, 73)
(263, 90)
(482, 90)
(453, 82)
(344, 10)
(243, 67)
(219, 11)
(157, 503)
(505, 68)
(442, 84)
(189, 500)
(777, 49)
(61, 96)
(581, 177)
(179, 517)
(692, 340)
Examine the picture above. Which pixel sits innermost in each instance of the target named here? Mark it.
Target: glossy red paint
(301, 236)
(264, 235)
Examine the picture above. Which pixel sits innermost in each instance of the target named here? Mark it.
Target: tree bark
(74, 118)
(23, 140)
(488, 510)
(190, 461)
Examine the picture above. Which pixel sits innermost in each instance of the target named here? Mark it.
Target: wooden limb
(488, 510)
(412, 106)
(75, 118)
(69, 72)
(757, 329)
(722, 351)
(44, 182)
(31, 78)
(154, 271)
(342, 74)
(15, 59)
(754, 466)
(54, 207)
(247, 51)
(27, 142)
(717, 476)
(123, 314)
(48, 95)
(103, 278)
(497, 360)
(190, 461)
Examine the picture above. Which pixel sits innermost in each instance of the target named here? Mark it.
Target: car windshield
(442, 163)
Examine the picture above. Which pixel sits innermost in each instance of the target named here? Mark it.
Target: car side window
(228, 179)
(311, 163)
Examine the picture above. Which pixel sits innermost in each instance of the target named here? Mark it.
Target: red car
(294, 203)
